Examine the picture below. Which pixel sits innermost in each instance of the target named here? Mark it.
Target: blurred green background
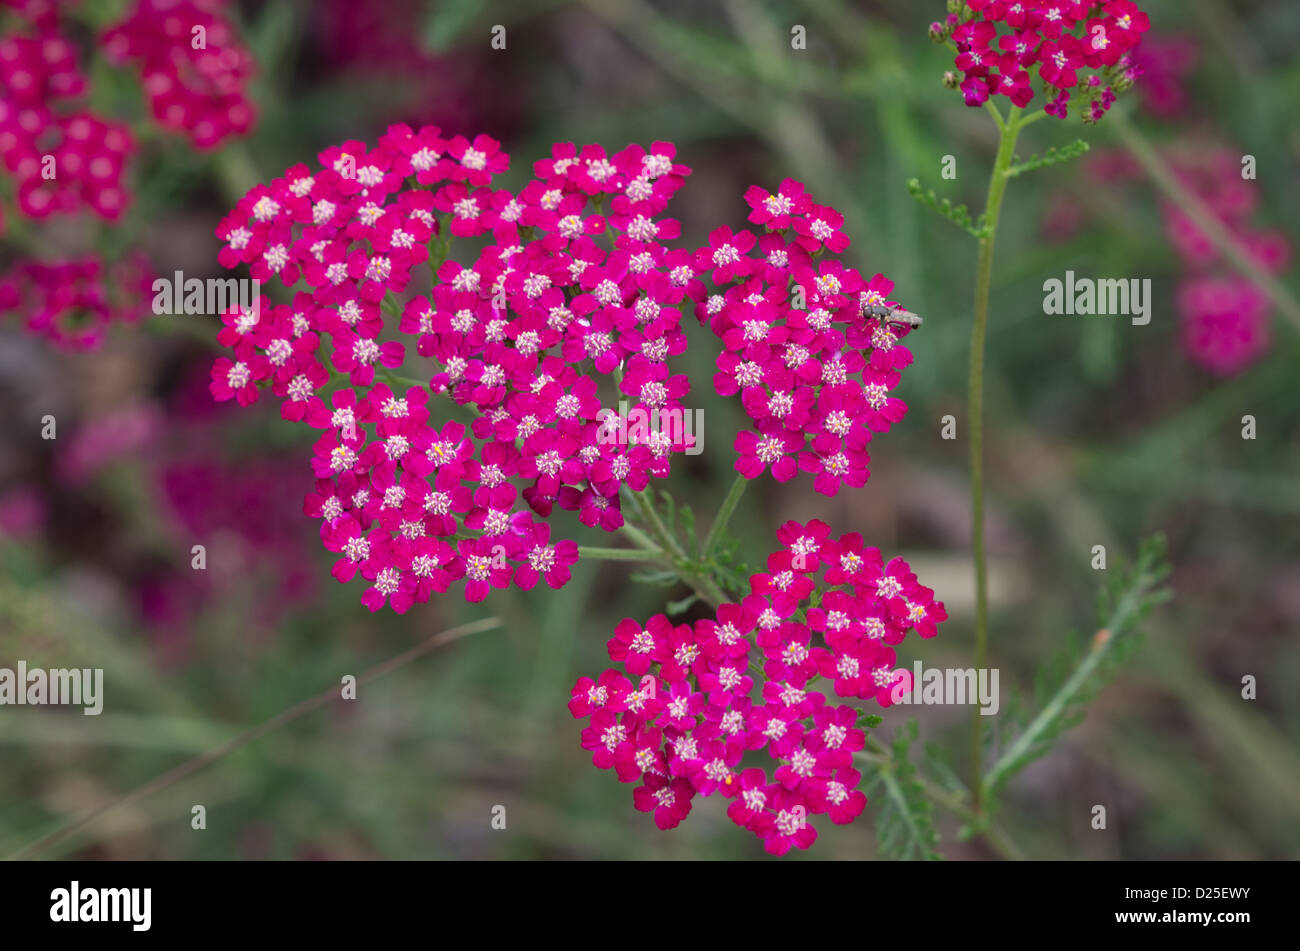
(1098, 432)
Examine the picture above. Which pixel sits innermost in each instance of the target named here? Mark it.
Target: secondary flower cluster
(72, 302)
(1225, 318)
(563, 293)
(705, 700)
(808, 342)
(192, 64)
(62, 156)
(1071, 47)
(1165, 63)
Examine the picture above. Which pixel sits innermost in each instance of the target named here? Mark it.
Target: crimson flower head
(700, 701)
(807, 344)
(514, 340)
(1073, 53)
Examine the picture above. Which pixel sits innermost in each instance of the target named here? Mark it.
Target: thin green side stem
(662, 550)
(621, 554)
(995, 113)
(641, 539)
(1008, 132)
(708, 589)
(1125, 614)
(662, 540)
(645, 506)
(719, 526)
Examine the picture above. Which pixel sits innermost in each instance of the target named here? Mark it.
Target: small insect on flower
(895, 315)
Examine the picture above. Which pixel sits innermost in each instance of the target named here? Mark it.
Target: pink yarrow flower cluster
(63, 157)
(192, 64)
(695, 706)
(806, 344)
(1225, 319)
(575, 284)
(1059, 48)
(72, 303)
(66, 158)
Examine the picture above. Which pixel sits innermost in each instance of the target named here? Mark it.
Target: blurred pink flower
(72, 302)
(1063, 218)
(1165, 62)
(193, 67)
(22, 513)
(456, 89)
(122, 432)
(1225, 325)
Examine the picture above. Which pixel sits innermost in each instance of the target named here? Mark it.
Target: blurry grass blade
(191, 766)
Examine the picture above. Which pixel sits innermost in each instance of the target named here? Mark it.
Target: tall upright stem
(1008, 131)
(719, 528)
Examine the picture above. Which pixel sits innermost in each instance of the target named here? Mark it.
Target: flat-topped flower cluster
(802, 344)
(1071, 47)
(577, 284)
(703, 697)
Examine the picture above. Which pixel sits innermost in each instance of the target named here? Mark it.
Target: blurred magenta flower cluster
(73, 302)
(65, 158)
(1225, 319)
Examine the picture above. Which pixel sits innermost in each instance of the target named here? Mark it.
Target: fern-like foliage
(729, 568)
(724, 563)
(958, 214)
(1066, 686)
(1052, 156)
(904, 825)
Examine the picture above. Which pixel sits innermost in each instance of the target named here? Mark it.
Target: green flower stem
(706, 588)
(1008, 132)
(621, 554)
(641, 539)
(699, 582)
(1128, 611)
(657, 528)
(720, 521)
(664, 549)
(993, 111)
